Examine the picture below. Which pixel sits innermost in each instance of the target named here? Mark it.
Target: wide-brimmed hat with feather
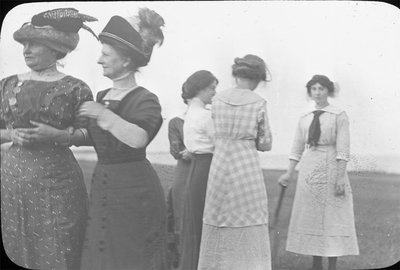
(56, 28)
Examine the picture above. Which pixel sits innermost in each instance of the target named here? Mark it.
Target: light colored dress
(321, 223)
(235, 222)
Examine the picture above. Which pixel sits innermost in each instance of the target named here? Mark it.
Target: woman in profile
(235, 223)
(322, 219)
(127, 212)
(43, 194)
(175, 195)
(198, 139)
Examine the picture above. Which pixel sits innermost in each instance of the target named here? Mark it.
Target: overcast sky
(356, 44)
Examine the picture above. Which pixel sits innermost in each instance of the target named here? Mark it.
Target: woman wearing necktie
(322, 219)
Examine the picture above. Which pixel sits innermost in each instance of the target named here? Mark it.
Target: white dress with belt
(321, 223)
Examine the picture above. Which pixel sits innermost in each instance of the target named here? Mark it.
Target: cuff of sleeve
(295, 157)
(106, 119)
(342, 156)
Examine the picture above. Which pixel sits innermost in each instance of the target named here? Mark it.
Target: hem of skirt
(322, 254)
(236, 226)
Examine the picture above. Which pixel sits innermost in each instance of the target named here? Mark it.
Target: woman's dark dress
(175, 195)
(43, 195)
(127, 214)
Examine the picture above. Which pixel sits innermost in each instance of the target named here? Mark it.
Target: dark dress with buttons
(127, 214)
(43, 195)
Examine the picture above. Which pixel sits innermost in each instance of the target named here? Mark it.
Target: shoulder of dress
(9, 79)
(144, 93)
(333, 109)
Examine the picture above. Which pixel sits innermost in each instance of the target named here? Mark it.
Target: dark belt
(114, 159)
(202, 156)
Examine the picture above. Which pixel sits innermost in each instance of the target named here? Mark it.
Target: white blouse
(198, 128)
(334, 132)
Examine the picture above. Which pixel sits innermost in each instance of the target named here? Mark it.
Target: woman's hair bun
(250, 67)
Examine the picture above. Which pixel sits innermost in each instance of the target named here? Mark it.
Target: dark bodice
(140, 107)
(54, 103)
(175, 136)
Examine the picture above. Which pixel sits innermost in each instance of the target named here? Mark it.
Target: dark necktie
(314, 132)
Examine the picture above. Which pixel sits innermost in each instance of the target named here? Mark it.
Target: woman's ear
(127, 62)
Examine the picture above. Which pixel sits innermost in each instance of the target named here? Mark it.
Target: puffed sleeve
(175, 138)
(264, 135)
(147, 115)
(81, 93)
(298, 144)
(342, 137)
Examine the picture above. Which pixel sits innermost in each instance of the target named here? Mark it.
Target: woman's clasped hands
(38, 134)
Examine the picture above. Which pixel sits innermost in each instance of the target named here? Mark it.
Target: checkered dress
(236, 194)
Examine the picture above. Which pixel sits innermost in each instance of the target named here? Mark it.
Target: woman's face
(319, 93)
(114, 65)
(38, 56)
(207, 93)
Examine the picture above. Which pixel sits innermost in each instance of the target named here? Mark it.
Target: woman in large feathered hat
(43, 195)
(127, 213)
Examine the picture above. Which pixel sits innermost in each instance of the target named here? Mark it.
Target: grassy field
(376, 208)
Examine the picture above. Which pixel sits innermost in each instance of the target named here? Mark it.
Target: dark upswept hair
(196, 82)
(322, 80)
(250, 67)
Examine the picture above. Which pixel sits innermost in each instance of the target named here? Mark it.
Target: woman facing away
(198, 137)
(43, 195)
(175, 196)
(322, 219)
(126, 228)
(235, 222)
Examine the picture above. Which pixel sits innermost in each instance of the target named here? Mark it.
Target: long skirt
(127, 219)
(175, 211)
(178, 188)
(43, 207)
(194, 195)
(235, 248)
(321, 223)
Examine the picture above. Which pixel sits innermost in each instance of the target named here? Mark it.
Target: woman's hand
(186, 155)
(40, 133)
(19, 137)
(284, 179)
(340, 186)
(91, 109)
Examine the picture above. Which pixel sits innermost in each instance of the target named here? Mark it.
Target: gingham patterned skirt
(236, 194)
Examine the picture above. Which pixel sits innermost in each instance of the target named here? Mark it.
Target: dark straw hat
(121, 31)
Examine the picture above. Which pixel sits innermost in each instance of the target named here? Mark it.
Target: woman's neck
(321, 105)
(46, 73)
(125, 82)
(245, 84)
(196, 101)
